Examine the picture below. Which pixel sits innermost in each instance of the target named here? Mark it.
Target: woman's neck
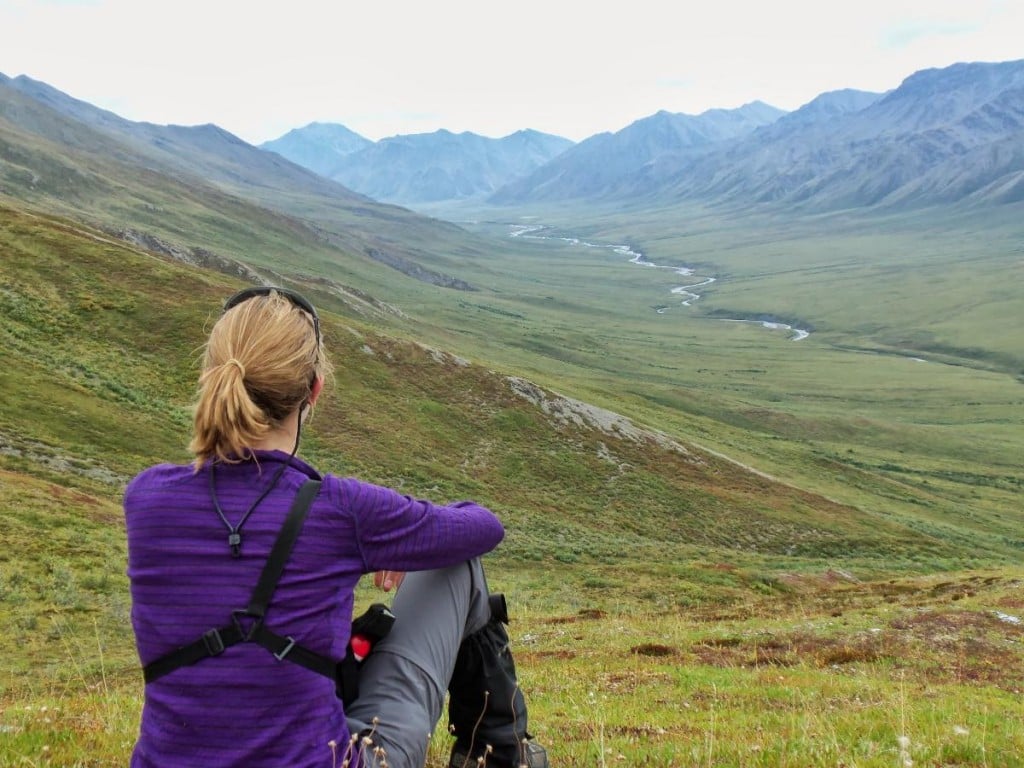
(282, 438)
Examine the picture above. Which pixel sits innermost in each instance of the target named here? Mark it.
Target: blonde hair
(259, 365)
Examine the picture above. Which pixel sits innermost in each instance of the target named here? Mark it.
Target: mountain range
(418, 168)
(943, 136)
(951, 135)
(595, 166)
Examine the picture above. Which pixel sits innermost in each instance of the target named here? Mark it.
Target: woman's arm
(401, 533)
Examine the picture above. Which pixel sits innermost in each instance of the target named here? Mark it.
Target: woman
(239, 680)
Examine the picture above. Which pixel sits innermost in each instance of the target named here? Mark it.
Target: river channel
(529, 231)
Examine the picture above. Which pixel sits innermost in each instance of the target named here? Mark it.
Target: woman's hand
(388, 580)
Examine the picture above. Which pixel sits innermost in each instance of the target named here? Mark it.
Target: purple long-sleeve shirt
(245, 708)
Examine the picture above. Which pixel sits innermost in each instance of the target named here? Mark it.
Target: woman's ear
(315, 390)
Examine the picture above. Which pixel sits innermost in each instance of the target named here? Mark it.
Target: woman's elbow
(496, 533)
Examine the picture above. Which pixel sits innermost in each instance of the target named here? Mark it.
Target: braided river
(686, 292)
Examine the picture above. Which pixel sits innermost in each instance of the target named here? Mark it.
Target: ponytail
(226, 419)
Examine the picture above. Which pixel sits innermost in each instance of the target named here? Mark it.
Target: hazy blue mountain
(934, 98)
(599, 165)
(429, 167)
(825, 108)
(774, 149)
(942, 136)
(982, 157)
(318, 146)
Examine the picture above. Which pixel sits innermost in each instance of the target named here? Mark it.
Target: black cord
(235, 531)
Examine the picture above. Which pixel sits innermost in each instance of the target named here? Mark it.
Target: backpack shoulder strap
(282, 550)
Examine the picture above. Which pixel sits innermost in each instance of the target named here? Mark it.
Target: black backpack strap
(214, 641)
(374, 624)
(282, 550)
(286, 648)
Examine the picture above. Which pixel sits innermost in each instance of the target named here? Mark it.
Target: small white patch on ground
(444, 357)
(840, 574)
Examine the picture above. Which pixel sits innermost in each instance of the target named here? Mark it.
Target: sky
(574, 68)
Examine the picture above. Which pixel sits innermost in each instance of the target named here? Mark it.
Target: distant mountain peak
(318, 146)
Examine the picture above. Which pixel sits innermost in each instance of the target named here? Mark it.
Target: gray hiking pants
(403, 682)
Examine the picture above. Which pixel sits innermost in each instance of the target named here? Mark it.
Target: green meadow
(777, 553)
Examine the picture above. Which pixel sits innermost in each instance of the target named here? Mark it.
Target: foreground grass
(895, 673)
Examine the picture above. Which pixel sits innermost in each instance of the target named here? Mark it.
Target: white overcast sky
(570, 67)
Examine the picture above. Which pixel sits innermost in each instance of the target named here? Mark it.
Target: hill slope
(205, 152)
(113, 331)
(196, 186)
(101, 340)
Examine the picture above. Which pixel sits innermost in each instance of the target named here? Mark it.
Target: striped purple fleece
(244, 708)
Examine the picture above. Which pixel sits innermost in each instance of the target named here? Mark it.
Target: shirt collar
(275, 456)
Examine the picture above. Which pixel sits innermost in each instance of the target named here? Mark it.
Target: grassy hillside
(209, 195)
(101, 340)
(688, 595)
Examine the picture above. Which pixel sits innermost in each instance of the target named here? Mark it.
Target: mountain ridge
(909, 147)
(205, 151)
(594, 165)
(843, 149)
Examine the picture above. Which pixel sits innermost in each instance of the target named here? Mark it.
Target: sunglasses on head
(265, 290)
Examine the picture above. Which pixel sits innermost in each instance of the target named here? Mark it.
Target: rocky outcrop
(566, 411)
(196, 256)
(417, 271)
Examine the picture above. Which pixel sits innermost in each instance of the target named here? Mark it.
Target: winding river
(529, 231)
